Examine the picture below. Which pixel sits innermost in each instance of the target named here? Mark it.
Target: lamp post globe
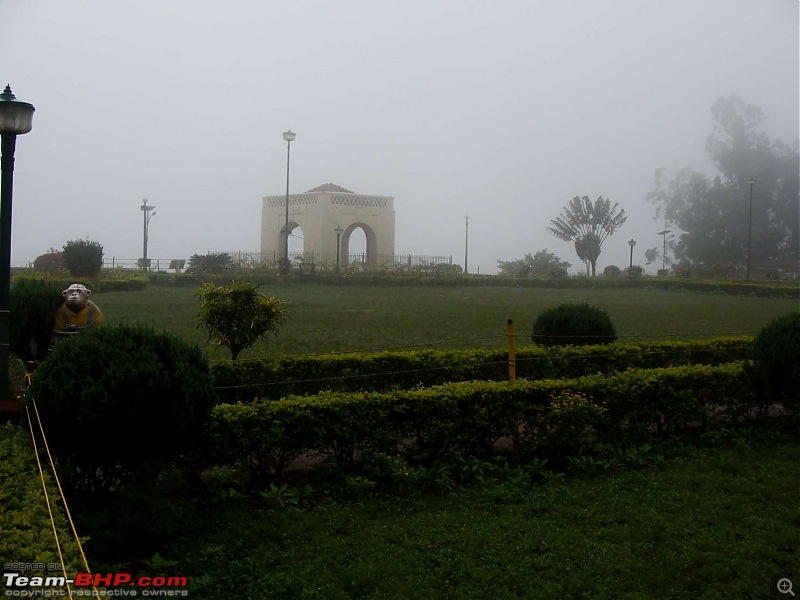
(289, 136)
(16, 118)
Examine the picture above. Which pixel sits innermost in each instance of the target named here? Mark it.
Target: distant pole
(466, 242)
(751, 181)
(664, 251)
(146, 228)
(631, 243)
(338, 231)
(289, 136)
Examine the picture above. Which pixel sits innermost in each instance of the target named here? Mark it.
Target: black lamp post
(338, 231)
(631, 243)
(16, 118)
(752, 182)
(466, 242)
(146, 237)
(289, 136)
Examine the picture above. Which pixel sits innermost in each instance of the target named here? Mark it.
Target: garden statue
(76, 312)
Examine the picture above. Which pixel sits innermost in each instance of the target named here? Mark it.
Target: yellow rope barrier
(61, 491)
(47, 499)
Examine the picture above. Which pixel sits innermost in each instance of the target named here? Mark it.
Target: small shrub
(611, 271)
(776, 350)
(33, 308)
(634, 272)
(573, 325)
(119, 398)
(50, 261)
(83, 257)
(681, 271)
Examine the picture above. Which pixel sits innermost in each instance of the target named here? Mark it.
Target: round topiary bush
(117, 397)
(775, 352)
(611, 271)
(33, 310)
(573, 325)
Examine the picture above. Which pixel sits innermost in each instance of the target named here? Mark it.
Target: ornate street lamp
(289, 136)
(631, 243)
(752, 182)
(338, 231)
(147, 216)
(16, 118)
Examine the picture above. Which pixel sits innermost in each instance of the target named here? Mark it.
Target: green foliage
(426, 425)
(587, 225)
(118, 397)
(541, 263)
(611, 271)
(49, 261)
(212, 262)
(243, 381)
(238, 315)
(573, 325)
(83, 257)
(776, 350)
(26, 534)
(715, 214)
(33, 308)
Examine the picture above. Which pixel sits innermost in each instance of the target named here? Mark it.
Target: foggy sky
(502, 110)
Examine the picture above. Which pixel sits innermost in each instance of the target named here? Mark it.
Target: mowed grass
(350, 318)
(721, 524)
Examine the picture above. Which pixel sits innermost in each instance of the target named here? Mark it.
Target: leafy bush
(238, 315)
(212, 262)
(50, 261)
(278, 377)
(611, 271)
(573, 325)
(33, 308)
(776, 351)
(83, 257)
(119, 397)
(634, 272)
(26, 534)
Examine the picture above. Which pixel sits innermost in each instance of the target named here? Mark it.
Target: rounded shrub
(611, 271)
(33, 305)
(117, 398)
(775, 352)
(573, 325)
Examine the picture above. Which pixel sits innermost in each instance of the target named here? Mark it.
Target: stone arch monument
(318, 213)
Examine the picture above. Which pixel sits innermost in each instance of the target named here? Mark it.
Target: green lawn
(722, 524)
(337, 319)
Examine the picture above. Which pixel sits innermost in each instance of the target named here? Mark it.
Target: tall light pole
(466, 242)
(16, 118)
(145, 236)
(752, 182)
(289, 136)
(338, 231)
(631, 243)
(664, 251)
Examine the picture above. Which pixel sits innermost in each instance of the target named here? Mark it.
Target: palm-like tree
(587, 225)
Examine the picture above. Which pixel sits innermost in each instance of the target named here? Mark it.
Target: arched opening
(359, 245)
(296, 245)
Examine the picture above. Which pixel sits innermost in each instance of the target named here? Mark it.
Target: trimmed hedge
(469, 417)
(26, 535)
(243, 381)
(115, 284)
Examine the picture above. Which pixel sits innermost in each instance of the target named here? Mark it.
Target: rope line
(47, 500)
(61, 491)
(518, 360)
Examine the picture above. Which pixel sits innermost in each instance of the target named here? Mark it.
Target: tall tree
(714, 214)
(541, 263)
(587, 225)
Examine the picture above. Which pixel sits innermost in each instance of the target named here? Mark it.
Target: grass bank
(718, 523)
(340, 319)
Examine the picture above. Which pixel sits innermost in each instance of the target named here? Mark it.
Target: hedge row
(557, 418)
(115, 284)
(26, 535)
(243, 381)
